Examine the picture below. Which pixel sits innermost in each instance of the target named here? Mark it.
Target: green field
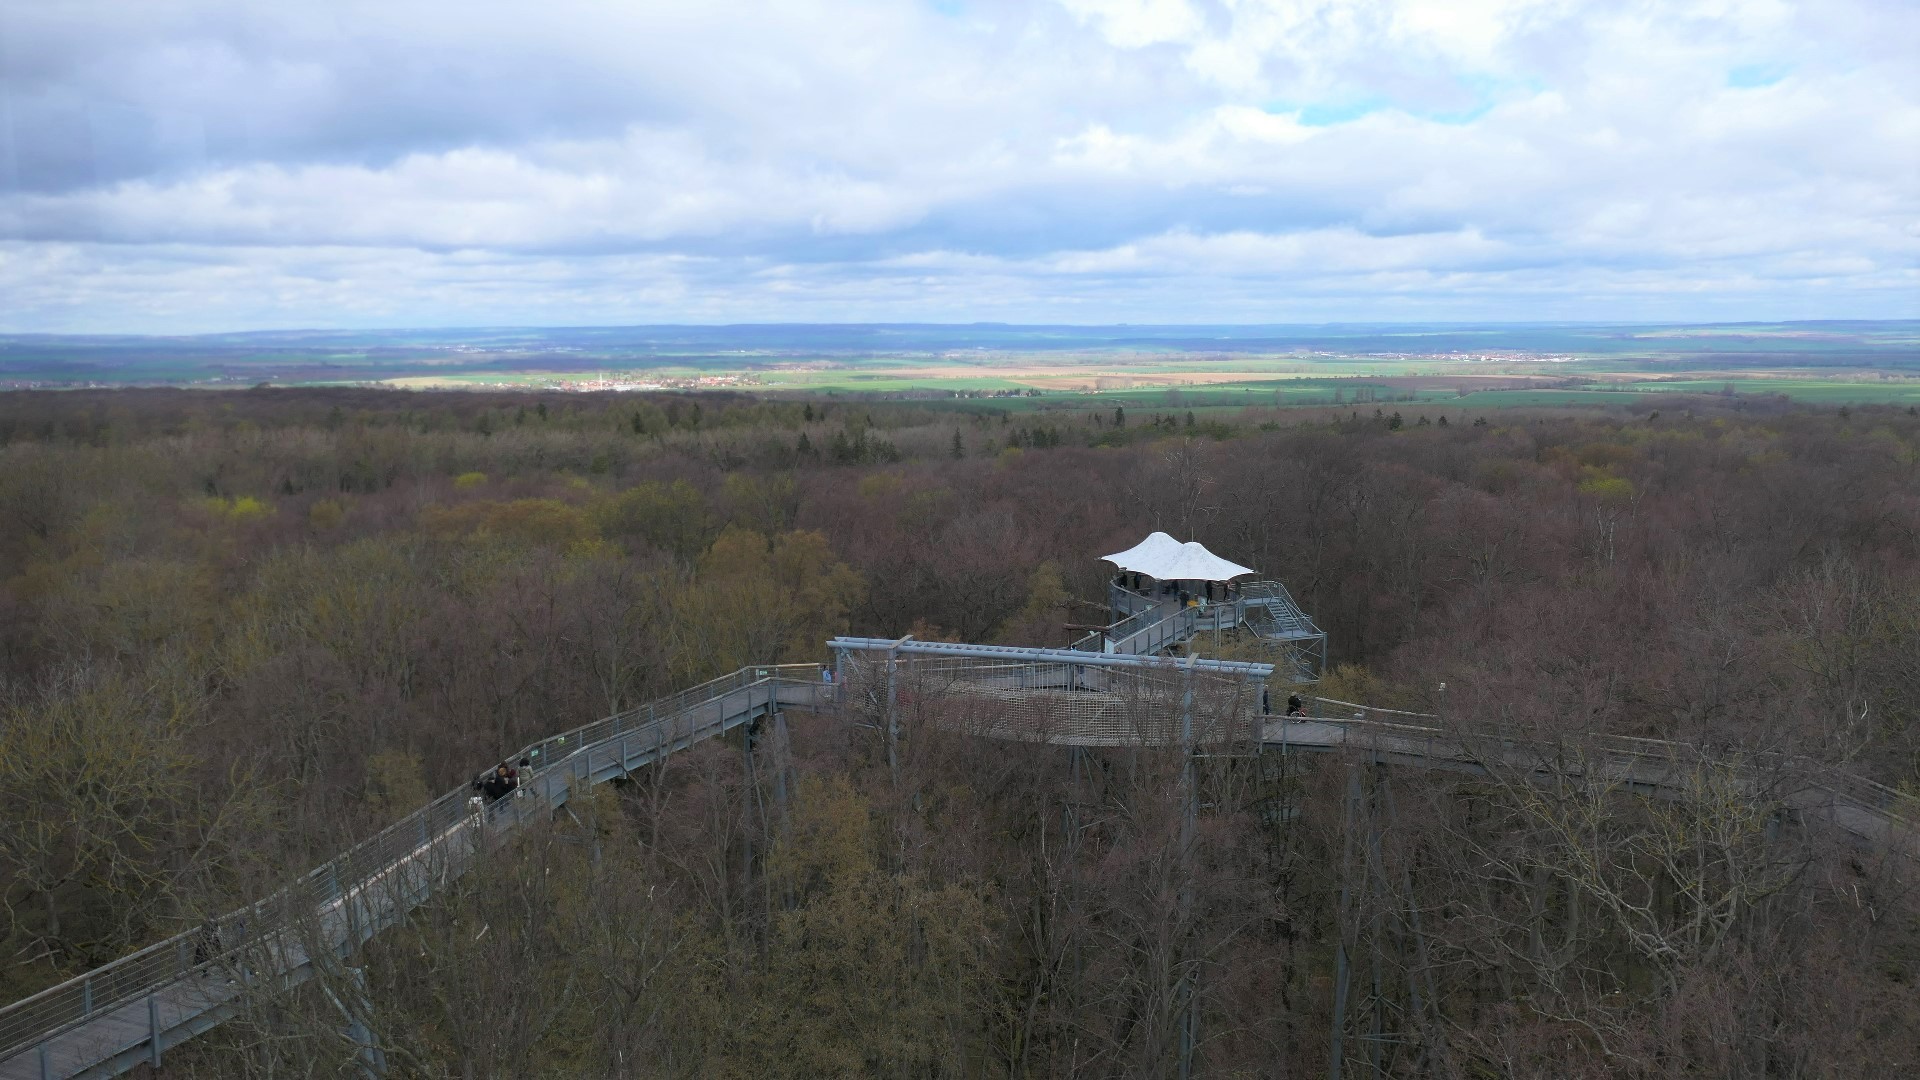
(1308, 391)
(1004, 368)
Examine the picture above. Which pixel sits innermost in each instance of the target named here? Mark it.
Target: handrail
(1140, 620)
(1169, 630)
(353, 872)
(66, 1004)
(1895, 805)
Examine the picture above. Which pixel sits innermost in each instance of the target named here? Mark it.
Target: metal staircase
(1146, 625)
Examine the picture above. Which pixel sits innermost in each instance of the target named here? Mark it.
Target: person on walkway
(206, 943)
(1294, 706)
(500, 781)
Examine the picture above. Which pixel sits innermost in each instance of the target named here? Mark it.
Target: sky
(182, 167)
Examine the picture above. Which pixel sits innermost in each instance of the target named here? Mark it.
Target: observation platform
(1167, 593)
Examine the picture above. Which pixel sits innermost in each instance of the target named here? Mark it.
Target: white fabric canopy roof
(1163, 558)
(1156, 545)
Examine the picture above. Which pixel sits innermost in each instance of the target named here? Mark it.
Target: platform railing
(554, 761)
(1153, 630)
(374, 867)
(1265, 607)
(1131, 625)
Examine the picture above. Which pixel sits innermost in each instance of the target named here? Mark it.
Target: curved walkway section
(1855, 804)
(129, 1011)
(114, 1017)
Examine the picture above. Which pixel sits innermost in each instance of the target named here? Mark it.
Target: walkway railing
(559, 762)
(1264, 607)
(1136, 634)
(1897, 807)
(375, 882)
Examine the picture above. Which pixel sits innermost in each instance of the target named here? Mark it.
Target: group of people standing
(1295, 707)
(501, 782)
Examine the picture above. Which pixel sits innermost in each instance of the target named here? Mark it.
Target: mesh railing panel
(1062, 703)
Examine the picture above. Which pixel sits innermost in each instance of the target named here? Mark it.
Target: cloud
(424, 162)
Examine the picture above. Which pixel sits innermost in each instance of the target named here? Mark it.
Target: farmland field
(1025, 368)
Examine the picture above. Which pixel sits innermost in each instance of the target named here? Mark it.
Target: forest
(241, 629)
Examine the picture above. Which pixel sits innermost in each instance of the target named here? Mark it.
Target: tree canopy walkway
(110, 1019)
(129, 1011)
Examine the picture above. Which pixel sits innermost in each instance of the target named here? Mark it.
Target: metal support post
(1189, 1017)
(372, 1060)
(782, 761)
(893, 708)
(1433, 1039)
(1376, 890)
(749, 788)
(1340, 958)
(153, 1031)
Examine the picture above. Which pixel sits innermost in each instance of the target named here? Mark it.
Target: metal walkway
(1071, 698)
(107, 1021)
(113, 1018)
(1854, 804)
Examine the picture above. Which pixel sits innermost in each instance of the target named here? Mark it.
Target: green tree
(101, 813)
(1038, 620)
(671, 517)
(758, 601)
(870, 972)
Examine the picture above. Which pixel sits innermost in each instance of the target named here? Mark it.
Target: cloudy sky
(171, 166)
